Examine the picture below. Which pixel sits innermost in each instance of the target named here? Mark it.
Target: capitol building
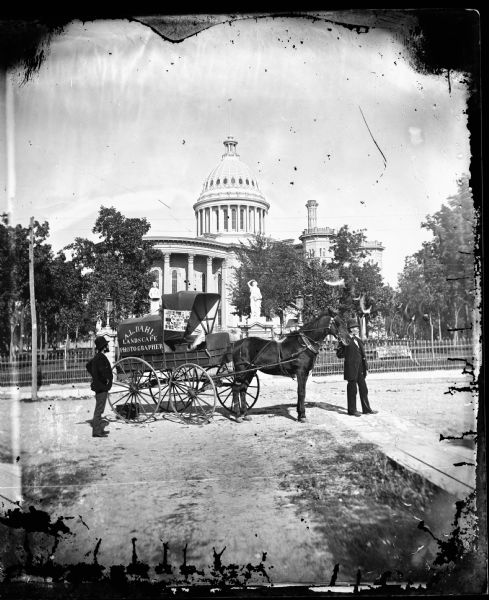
(229, 210)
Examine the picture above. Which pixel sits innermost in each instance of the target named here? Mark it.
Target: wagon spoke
(135, 394)
(193, 394)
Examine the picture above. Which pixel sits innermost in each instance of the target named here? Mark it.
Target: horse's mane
(312, 325)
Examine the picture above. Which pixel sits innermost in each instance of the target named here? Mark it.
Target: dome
(231, 177)
(231, 207)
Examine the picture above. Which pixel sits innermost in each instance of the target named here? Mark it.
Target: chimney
(311, 214)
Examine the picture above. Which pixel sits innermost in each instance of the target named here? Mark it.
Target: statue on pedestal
(155, 298)
(255, 299)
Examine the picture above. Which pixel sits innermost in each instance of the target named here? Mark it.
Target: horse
(293, 356)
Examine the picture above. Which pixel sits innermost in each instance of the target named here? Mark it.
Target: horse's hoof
(247, 418)
(239, 419)
(302, 419)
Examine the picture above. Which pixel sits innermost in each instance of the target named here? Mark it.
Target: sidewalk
(447, 465)
(418, 449)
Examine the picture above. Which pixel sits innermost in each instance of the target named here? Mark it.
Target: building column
(167, 275)
(224, 301)
(209, 287)
(190, 273)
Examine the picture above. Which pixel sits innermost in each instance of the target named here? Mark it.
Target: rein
(307, 342)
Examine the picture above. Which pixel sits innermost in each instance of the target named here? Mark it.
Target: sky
(118, 116)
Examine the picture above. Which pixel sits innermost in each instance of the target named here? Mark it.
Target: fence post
(32, 295)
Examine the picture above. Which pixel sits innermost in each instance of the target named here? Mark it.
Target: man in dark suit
(355, 370)
(101, 372)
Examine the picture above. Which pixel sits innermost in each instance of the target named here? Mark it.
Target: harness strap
(281, 362)
(308, 343)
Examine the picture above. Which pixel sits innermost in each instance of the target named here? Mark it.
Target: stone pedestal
(260, 328)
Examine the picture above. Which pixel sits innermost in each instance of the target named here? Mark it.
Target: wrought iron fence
(68, 366)
(53, 366)
(400, 355)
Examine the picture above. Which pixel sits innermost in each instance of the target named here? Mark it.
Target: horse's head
(339, 329)
(327, 323)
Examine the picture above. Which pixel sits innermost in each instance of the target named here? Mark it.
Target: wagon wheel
(193, 393)
(136, 391)
(164, 378)
(223, 379)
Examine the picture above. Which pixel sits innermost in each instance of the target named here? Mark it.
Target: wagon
(173, 362)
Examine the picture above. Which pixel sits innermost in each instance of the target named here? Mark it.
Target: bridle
(310, 344)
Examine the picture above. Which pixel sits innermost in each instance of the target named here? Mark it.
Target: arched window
(212, 182)
(252, 183)
(218, 182)
(247, 182)
(225, 180)
(240, 181)
(174, 282)
(233, 181)
(233, 219)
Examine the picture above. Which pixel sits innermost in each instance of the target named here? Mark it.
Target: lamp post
(299, 304)
(109, 307)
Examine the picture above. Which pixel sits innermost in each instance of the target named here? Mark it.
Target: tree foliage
(283, 273)
(55, 286)
(436, 286)
(364, 286)
(277, 268)
(72, 286)
(117, 266)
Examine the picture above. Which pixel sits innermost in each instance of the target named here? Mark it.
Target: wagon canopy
(184, 317)
(188, 314)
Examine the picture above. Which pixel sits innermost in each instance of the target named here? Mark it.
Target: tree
(276, 266)
(283, 273)
(453, 246)
(117, 266)
(69, 316)
(14, 271)
(364, 291)
(436, 287)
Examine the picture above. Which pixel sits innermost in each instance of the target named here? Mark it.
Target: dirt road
(236, 486)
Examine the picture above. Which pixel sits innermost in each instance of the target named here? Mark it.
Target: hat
(101, 342)
(352, 323)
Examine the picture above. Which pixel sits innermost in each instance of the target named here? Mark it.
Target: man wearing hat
(101, 372)
(355, 370)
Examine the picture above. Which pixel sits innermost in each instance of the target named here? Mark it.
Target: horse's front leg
(236, 387)
(243, 393)
(301, 396)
